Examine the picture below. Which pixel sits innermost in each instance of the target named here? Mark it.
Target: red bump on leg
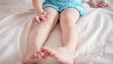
(70, 29)
(67, 47)
(37, 34)
(44, 27)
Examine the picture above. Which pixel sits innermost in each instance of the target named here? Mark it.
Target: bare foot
(62, 54)
(34, 55)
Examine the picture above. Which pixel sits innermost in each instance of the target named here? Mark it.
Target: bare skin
(47, 19)
(62, 54)
(39, 37)
(97, 4)
(66, 53)
(69, 37)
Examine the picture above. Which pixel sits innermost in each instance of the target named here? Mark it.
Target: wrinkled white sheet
(95, 33)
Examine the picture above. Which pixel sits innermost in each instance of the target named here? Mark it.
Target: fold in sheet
(95, 34)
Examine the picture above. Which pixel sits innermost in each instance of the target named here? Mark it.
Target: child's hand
(98, 4)
(40, 17)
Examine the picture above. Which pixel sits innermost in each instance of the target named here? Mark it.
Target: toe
(55, 56)
(38, 55)
(51, 53)
(49, 50)
(42, 49)
(45, 48)
(32, 56)
(46, 55)
(35, 55)
(41, 54)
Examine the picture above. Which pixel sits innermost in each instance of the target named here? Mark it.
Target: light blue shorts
(60, 5)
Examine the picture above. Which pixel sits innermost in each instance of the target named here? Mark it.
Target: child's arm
(40, 14)
(37, 4)
(97, 4)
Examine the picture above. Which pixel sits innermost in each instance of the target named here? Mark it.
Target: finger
(46, 54)
(44, 13)
(97, 7)
(43, 18)
(106, 5)
(37, 18)
(33, 20)
(102, 6)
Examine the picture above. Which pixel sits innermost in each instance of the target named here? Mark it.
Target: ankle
(70, 48)
(68, 63)
(34, 48)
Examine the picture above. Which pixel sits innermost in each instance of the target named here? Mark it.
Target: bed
(95, 30)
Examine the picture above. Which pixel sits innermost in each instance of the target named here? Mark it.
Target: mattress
(95, 28)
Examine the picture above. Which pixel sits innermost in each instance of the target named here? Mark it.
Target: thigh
(69, 15)
(52, 15)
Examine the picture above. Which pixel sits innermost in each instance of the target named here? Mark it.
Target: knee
(67, 19)
(50, 22)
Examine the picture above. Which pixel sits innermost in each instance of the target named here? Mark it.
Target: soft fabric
(95, 30)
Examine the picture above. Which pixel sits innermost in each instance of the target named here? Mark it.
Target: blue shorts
(60, 5)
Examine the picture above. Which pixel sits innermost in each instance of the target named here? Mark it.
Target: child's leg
(40, 35)
(65, 54)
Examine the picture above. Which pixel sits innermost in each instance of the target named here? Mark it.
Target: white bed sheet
(95, 29)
